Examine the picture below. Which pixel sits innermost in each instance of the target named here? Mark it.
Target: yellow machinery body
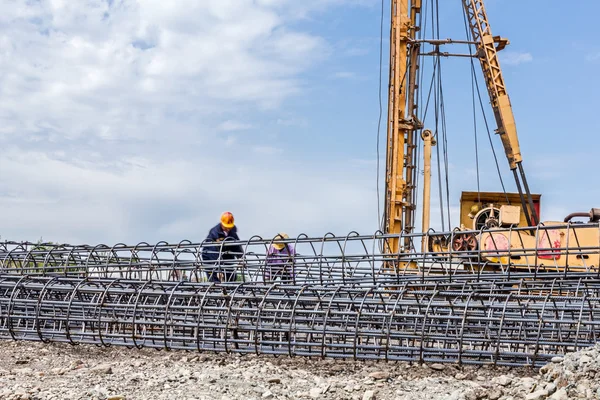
(502, 241)
(553, 246)
(482, 201)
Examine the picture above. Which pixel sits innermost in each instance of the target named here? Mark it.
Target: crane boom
(488, 56)
(487, 53)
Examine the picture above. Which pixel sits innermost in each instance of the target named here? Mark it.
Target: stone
(494, 394)
(23, 371)
(369, 395)
(557, 360)
(379, 375)
(437, 367)
(100, 392)
(274, 380)
(101, 369)
(584, 359)
(550, 388)
(20, 395)
(537, 395)
(560, 394)
(456, 395)
(528, 384)
(504, 380)
(267, 395)
(315, 393)
(460, 376)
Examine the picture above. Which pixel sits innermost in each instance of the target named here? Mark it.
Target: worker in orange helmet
(220, 256)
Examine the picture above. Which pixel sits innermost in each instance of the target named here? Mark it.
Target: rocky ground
(57, 371)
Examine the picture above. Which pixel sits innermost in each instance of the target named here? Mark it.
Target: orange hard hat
(227, 220)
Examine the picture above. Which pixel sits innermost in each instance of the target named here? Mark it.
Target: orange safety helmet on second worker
(227, 220)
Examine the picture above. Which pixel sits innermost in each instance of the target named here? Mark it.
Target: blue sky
(142, 120)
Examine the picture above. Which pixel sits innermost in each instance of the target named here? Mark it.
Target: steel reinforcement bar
(320, 260)
(460, 322)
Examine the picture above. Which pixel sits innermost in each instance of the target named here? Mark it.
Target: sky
(143, 120)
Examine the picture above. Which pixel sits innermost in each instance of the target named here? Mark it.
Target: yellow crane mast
(402, 124)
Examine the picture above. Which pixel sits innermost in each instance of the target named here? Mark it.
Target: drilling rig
(496, 227)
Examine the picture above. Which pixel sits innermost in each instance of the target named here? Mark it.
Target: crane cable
(380, 221)
(445, 144)
(439, 114)
(440, 117)
(435, 91)
(419, 102)
(475, 129)
(487, 127)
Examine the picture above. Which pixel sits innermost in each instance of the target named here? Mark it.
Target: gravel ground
(58, 371)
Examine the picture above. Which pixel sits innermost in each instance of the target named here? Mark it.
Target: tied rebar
(324, 260)
(343, 297)
(462, 322)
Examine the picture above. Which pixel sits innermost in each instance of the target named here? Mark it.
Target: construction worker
(280, 260)
(220, 256)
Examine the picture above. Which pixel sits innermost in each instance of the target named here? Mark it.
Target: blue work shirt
(217, 235)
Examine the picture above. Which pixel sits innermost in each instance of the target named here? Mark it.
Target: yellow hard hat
(227, 220)
(279, 245)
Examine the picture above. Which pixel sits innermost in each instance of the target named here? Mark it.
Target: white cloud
(357, 52)
(110, 113)
(230, 141)
(149, 200)
(593, 56)
(515, 58)
(291, 122)
(268, 150)
(230, 125)
(82, 68)
(344, 75)
(302, 9)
